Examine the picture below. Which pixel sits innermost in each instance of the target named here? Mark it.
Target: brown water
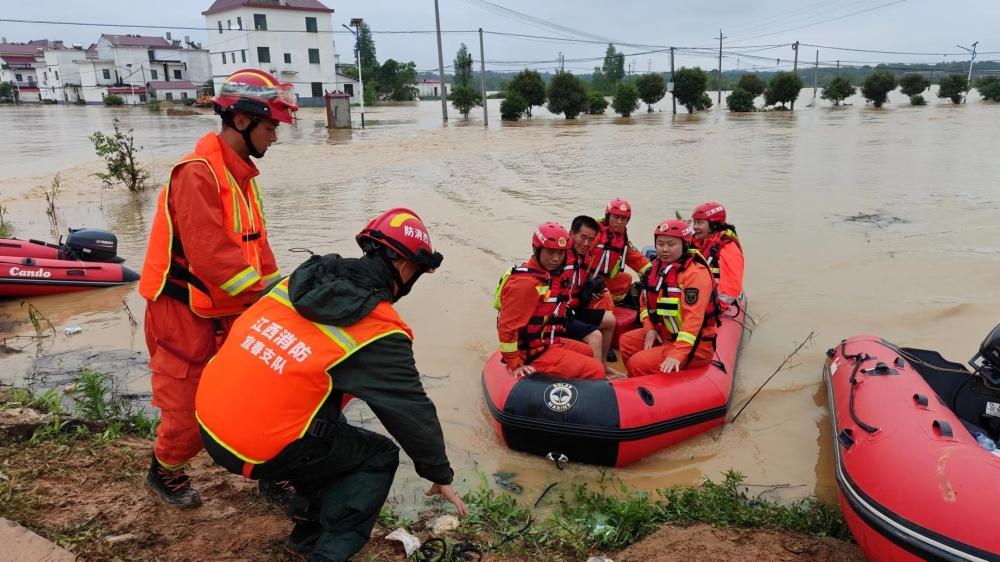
(789, 180)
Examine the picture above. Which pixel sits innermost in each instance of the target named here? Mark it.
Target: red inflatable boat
(87, 260)
(612, 423)
(913, 482)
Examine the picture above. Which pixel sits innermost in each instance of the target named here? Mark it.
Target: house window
(317, 89)
(177, 71)
(169, 96)
(263, 54)
(229, 24)
(45, 76)
(184, 95)
(288, 58)
(311, 25)
(154, 74)
(232, 57)
(223, 58)
(220, 26)
(313, 56)
(142, 98)
(19, 78)
(349, 89)
(106, 72)
(260, 22)
(57, 75)
(239, 22)
(243, 55)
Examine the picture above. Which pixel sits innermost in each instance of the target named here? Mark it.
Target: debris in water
(506, 481)
(877, 219)
(73, 330)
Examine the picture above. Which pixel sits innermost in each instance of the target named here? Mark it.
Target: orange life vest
(270, 379)
(548, 320)
(607, 258)
(712, 245)
(243, 217)
(664, 292)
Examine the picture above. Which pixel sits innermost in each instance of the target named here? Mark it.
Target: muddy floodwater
(853, 220)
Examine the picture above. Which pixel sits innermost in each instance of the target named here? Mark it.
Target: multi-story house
(19, 64)
(291, 39)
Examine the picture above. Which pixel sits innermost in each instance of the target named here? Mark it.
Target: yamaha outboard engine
(986, 363)
(92, 245)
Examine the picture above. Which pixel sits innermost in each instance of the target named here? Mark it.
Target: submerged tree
(689, 87)
(752, 83)
(626, 99)
(783, 88)
(838, 90)
(953, 87)
(989, 88)
(596, 103)
(530, 86)
(912, 86)
(513, 107)
(567, 95)
(740, 101)
(651, 89)
(464, 95)
(121, 156)
(877, 86)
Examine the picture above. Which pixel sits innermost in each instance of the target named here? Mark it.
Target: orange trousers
(569, 359)
(641, 362)
(619, 284)
(180, 345)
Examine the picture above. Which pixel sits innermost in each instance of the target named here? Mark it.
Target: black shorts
(583, 321)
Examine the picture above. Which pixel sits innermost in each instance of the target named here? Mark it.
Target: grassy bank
(73, 476)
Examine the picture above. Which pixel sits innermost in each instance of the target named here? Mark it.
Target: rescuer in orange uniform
(678, 308)
(269, 402)
(532, 302)
(613, 251)
(591, 317)
(208, 259)
(717, 241)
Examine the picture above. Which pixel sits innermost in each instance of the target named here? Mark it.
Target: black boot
(303, 537)
(276, 491)
(172, 486)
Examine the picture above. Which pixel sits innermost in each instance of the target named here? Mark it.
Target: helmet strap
(401, 288)
(245, 133)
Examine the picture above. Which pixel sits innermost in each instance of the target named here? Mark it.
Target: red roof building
(301, 5)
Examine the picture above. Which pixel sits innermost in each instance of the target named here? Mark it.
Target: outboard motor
(92, 245)
(986, 363)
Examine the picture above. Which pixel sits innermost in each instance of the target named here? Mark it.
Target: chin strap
(401, 289)
(245, 133)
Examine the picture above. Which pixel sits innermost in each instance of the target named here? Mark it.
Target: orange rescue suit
(213, 287)
(609, 256)
(724, 254)
(271, 377)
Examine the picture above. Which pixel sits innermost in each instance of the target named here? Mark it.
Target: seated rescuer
(717, 241)
(612, 251)
(531, 301)
(268, 403)
(591, 313)
(678, 308)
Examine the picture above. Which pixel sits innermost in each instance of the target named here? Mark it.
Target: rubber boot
(173, 487)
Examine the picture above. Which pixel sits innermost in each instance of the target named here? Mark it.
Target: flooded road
(853, 220)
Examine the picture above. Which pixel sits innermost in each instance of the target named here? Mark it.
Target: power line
(890, 52)
(792, 16)
(880, 6)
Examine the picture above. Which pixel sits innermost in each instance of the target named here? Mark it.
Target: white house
(19, 63)
(175, 90)
(60, 78)
(290, 39)
(430, 88)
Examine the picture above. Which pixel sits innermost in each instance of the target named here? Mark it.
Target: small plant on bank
(626, 100)
(51, 194)
(953, 87)
(740, 101)
(989, 87)
(689, 87)
(113, 100)
(567, 95)
(783, 88)
(121, 155)
(153, 105)
(838, 90)
(877, 86)
(6, 225)
(513, 107)
(912, 85)
(651, 89)
(596, 103)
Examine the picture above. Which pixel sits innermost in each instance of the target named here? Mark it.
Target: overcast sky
(909, 25)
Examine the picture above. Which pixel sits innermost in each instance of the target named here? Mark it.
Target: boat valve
(559, 458)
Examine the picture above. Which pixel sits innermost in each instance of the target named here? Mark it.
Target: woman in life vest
(717, 241)
(532, 302)
(678, 308)
(612, 250)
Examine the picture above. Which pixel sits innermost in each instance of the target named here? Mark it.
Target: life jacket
(243, 217)
(575, 274)
(607, 258)
(712, 246)
(548, 320)
(664, 293)
(269, 381)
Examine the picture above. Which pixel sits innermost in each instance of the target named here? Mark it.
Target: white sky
(909, 25)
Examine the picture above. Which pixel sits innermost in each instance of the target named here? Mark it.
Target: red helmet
(550, 235)
(401, 231)
(619, 207)
(676, 228)
(257, 93)
(711, 212)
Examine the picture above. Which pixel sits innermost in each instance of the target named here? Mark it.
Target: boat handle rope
(858, 358)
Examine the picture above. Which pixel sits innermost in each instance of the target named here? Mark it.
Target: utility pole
(673, 98)
(718, 83)
(815, 75)
(968, 80)
(482, 78)
(444, 89)
(838, 68)
(795, 66)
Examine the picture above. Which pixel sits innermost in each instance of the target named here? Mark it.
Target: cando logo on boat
(18, 272)
(560, 396)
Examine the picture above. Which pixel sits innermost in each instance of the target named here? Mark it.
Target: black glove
(592, 290)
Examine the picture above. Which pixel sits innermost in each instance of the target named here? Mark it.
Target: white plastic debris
(444, 523)
(599, 559)
(73, 330)
(410, 542)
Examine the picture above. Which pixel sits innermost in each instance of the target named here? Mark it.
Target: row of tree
(389, 81)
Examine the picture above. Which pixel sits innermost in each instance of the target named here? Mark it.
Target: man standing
(208, 254)
(269, 403)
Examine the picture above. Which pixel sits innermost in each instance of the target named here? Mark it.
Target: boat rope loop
(858, 359)
(559, 458)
